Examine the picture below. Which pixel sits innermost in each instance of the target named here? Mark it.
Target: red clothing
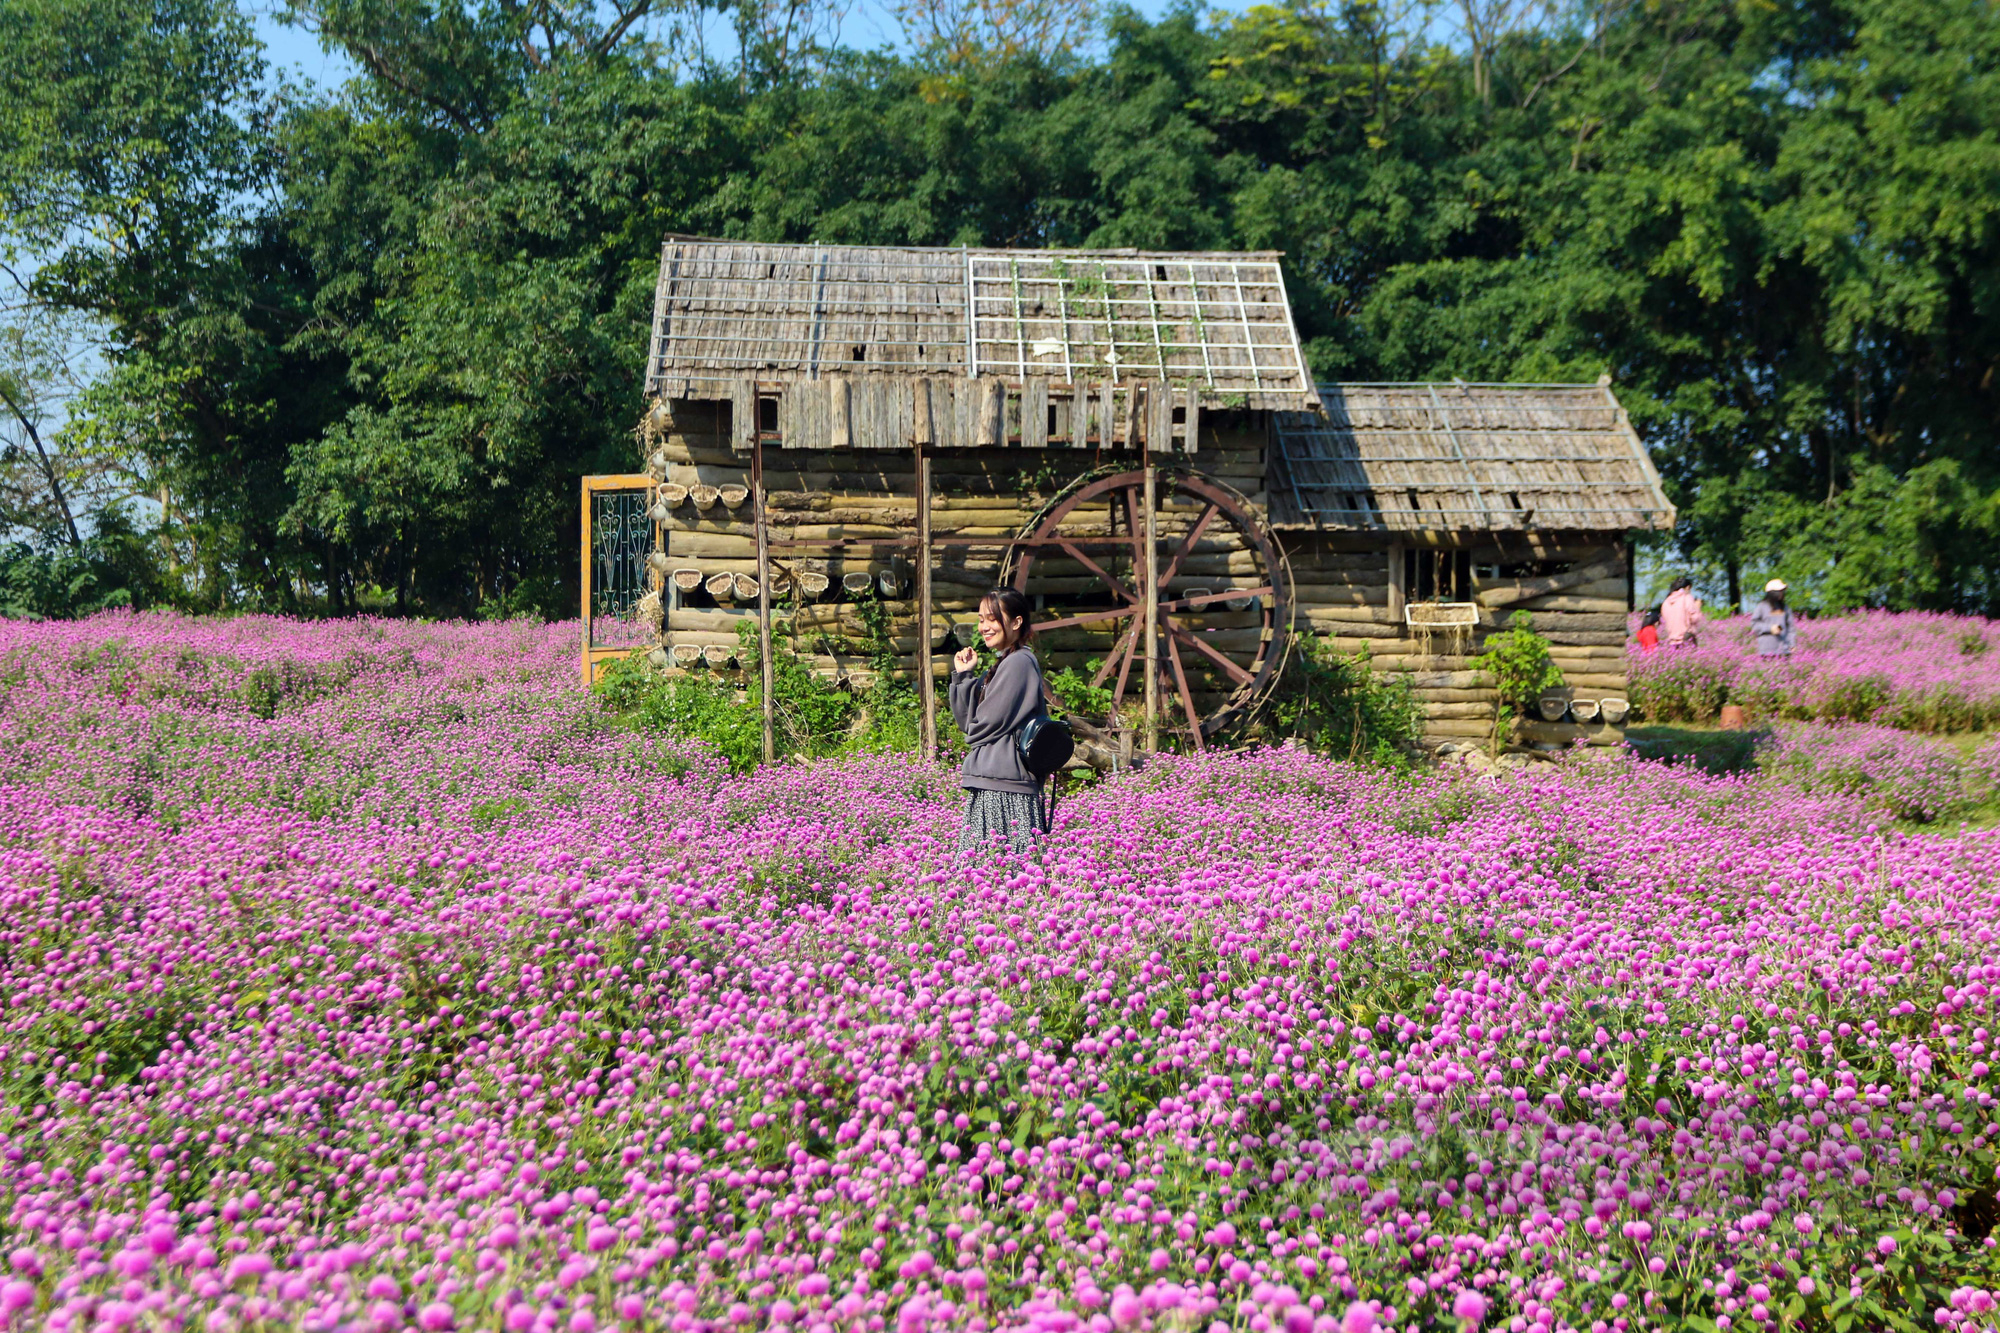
(1649, 637)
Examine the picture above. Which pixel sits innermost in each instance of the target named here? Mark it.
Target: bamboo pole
(926, 687)
(1150, 684)
(770, 703)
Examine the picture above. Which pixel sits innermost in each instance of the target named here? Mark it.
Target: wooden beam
(585, 591)
(1398, 594)
(765, 666)
(1521, 590)
(926, 687)
(1149, 588)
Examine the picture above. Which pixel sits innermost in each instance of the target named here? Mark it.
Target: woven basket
(734, 496)
(704, 497)
(722, 587)
(650, 611)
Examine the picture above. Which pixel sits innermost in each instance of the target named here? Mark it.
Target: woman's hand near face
(964, 660)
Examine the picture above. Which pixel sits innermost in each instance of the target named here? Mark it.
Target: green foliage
(698, 706)
(1338, 704)
(1077, 695)
(1518, 664)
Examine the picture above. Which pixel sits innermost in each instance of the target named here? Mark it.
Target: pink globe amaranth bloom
(436, 1317)
(1126, 1310)
(1886, 1245)
(1298, 1319)
(382, 1287)
(246, 1265)
(601, 1239)
(633, 1307)
(1804, 1223)
(16, 1294)
(25, 1261)
(1806, 1286)
(520, 1318)
(1468, 1305)
(505, 1236)
(813, 1284)
(782, 1311)
(1159, 1261)
(583, 1321)
(1358, 1319)
(972, 1280)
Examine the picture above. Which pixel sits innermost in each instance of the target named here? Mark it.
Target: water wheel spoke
(1187, 696)
(1187, 543)
(1235, 672)
(1086, 618)
(1122, 648)
(1116, 584)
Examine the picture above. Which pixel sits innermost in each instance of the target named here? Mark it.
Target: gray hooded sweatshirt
(991, 710)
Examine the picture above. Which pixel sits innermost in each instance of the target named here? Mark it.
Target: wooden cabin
(845, 442)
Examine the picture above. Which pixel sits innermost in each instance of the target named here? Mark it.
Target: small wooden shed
(1133, 439)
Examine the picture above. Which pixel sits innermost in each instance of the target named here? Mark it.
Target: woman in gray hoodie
(1002, 796)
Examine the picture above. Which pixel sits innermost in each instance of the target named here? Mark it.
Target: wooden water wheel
(1221, 593)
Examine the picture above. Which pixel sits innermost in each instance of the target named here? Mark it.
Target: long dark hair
(1774, 598)
(1007, 605)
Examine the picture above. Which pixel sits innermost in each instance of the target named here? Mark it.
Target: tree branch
(48, 467)
(379, 67)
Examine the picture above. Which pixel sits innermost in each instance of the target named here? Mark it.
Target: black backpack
(1045, 745)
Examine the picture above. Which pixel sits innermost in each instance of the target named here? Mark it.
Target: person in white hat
(1771, 623)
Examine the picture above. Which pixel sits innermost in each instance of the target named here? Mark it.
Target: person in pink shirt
(1680, 614)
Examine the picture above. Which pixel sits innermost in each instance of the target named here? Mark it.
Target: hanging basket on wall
(687, 579)
(704, 497)
(722, 587)
(733, 496)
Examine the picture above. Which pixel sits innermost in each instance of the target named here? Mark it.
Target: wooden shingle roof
(731, 312)
(1456, 456)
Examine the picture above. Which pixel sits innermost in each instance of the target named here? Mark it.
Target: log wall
(1346, 586)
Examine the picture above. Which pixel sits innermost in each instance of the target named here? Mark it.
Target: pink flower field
(1912, 670)
(367, 976)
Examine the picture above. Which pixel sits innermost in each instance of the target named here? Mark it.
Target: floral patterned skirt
(1016, 818)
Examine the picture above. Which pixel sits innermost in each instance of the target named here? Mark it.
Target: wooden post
(926, 686)
(770, 703)
(1149, 589)
(585, 593)
(1397, 592)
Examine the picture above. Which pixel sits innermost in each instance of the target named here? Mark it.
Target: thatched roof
(1456, 456)
(730, 312)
